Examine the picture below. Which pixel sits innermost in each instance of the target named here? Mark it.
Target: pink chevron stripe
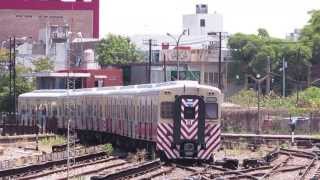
(165, 146)
(215, 139)
(184, 102)
(193, 123)
(214, 146)
(210, 130)
(161, 147)
(161, 134)
(165, 132)
(167, 128)
(168, 150)
(189, 136)
(189, 130)
(212, 137)
(195, 102)
(196, 109)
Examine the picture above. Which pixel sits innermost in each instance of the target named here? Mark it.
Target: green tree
(298, 59)
(250, 52)
(310, 35)
(43, 64)
(115, 49)
(263, 33)
(22, 85)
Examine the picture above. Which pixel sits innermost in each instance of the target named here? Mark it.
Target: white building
(202, 23)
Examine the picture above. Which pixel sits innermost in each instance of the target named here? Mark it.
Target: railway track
(63, 169)
(131, 171)
(269, 137)
(297, 163)
(53, 162)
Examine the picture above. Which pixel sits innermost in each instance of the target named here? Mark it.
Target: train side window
(54, 111)
(211, 111)
(101, 111)
(167, 109)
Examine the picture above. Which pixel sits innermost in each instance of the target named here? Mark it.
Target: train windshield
(211, 111)
(189, 113)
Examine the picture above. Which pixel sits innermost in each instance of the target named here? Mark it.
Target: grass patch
(51, 141)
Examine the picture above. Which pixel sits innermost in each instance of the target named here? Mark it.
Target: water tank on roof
(202, 9)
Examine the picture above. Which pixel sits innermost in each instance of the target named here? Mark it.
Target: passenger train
(180, 119)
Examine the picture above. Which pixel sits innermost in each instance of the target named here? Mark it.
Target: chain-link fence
(271, 121)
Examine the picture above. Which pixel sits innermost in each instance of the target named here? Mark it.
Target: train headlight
(167, 92)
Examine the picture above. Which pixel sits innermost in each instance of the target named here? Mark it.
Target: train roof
(45, 93)
(115, 90)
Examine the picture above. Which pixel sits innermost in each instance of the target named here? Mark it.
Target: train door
(95, 115)
(82, 108)
(189, 124)
(107, 114)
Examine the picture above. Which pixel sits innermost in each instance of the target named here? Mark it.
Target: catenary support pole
(268, 85)
(14, 78)
(164, 68)
(219, 66)
(10, 77)
(283, 77)
(150, 59)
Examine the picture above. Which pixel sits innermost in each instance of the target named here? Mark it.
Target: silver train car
(180, 119)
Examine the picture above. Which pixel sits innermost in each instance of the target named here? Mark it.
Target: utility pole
(14, 77)
(150, 58)
(178, 63)
(259, 89)
(298, 82)
(177, 50)
(269, 76)
(284, 77)
(219, 74)
(10, 77)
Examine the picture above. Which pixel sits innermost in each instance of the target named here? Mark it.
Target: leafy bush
(108, 149)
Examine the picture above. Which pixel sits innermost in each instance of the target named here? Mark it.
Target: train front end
(190, 123)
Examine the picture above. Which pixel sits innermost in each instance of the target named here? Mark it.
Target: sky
(132, 17)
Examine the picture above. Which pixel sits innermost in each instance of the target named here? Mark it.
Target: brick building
(31, 17)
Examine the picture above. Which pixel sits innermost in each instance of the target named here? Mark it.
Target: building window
(202, 22)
